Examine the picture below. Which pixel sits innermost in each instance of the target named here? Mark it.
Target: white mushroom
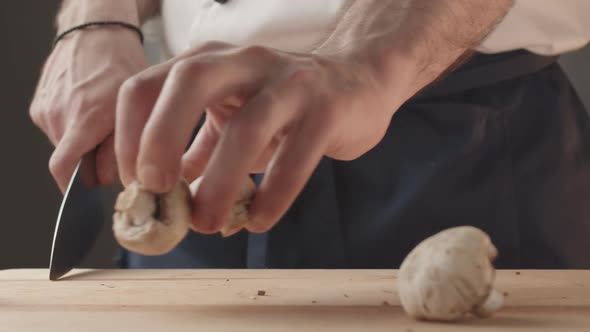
(239, 216)
(152, 224)
(449, 276)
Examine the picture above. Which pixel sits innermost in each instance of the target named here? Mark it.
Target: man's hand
(267, 110)
(74, 103)
(281, 112)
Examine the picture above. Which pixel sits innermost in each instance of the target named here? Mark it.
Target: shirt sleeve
(545, 27)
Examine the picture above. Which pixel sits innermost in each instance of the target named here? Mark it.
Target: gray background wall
(29, 198)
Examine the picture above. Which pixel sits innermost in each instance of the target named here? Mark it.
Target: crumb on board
(346, 295)
(314, 301)
(517, 273)
(261, 292)
(385, 304)
(505, 294)
(226, 279)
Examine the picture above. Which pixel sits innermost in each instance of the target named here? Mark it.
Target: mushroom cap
(135, 226)
(448, 275)
(238, 218)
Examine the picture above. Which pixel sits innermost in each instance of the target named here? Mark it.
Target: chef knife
(79, 220)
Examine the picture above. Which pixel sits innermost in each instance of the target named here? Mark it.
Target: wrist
(83, 11)
(397, 72)
(376, 35)
(405, 68)
(408, 65)
(433, 37)
(89, 25)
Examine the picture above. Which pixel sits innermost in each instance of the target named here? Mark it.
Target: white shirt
(540, 26)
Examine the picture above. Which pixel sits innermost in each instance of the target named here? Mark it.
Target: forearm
(413, 40)
(74, 12)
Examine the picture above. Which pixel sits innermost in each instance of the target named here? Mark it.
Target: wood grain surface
(270, 300)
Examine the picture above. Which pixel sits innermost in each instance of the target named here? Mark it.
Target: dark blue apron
(501, 143)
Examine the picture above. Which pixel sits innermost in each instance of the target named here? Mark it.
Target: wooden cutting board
(293, 300)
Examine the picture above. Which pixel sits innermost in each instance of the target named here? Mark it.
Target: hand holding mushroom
(153, 224)
(449, 276)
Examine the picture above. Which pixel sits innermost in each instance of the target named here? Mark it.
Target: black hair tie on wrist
(98, 23)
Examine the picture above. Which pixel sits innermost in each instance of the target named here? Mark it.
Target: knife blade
(79, 220)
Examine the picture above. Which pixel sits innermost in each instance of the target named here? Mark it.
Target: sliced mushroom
(449, 276)
(239, 216)
(151, 224)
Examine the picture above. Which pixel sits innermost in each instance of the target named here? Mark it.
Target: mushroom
(153, 224)
(449, 276)
(239, 216)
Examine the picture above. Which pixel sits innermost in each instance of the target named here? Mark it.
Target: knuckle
(301, 76)
(209, 46)
(181, 66)
(133, 87)
(57, 166)
(45, 115)
(212, 45)
(256, 51)
(36, 116)
(186, 67)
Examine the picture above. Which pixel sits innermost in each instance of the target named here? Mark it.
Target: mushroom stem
(492, 303)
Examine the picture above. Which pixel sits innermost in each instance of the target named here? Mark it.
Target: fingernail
(125, 179)
(203, 221)
(255, 226)
(154, 179)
